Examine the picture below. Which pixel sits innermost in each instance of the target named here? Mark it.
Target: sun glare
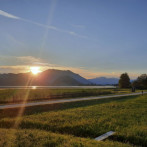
(35, 70)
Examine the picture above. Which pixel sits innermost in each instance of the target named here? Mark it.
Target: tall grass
(18, 95)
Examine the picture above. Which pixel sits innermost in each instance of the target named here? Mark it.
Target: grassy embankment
(19, 95)
(78, 122)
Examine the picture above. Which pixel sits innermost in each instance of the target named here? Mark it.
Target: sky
(90, 37)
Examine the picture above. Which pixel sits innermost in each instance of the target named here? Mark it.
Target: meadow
(19, 95)
(77, 124)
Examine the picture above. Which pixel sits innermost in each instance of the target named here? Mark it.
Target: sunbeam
(25, 98)
(49, 20)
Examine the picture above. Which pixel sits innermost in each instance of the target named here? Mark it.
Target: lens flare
(35, 70)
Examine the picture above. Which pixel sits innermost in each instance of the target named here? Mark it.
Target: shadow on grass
(13, 112)
(133, 140)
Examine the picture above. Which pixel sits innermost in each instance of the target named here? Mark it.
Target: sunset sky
(90, 37)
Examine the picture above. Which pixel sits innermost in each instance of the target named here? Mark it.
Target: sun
(35, 70)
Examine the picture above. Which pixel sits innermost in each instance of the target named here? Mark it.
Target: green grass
(19, 95)
(126, 116)
(38, 138)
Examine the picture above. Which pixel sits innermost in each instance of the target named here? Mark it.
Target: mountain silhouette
(50, 77)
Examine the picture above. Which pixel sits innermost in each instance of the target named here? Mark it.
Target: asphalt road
(64, 101)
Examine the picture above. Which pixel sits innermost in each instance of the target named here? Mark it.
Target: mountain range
(104, 81)
(53, 77)
(49, 77)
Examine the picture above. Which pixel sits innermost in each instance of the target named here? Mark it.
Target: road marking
(104, 136)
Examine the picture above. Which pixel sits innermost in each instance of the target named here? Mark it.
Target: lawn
(76, 124)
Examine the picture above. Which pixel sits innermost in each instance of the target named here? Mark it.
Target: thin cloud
(75, 34)
(5, 14)
(8, 15)
(14, 69)
(23, 64)
(21, 60)
(83, 72)
(28, 59)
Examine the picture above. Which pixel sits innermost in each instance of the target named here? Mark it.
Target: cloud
(5, 14)
(75, 34)
(14, 69)
(20, 60)
(8, 15)
(23, 64)
(83, 72)
(28, 59)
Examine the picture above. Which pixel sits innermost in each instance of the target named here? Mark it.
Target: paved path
(64, 101)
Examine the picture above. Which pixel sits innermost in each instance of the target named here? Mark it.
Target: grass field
(76, 124)
(19, 95)
(38, 138)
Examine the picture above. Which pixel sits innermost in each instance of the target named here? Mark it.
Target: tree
(124, 81)
(141, 82)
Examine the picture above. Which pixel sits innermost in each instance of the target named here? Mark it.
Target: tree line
(139, 83)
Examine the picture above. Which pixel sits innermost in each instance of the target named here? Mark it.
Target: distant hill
(49, 77)
(104, 81)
